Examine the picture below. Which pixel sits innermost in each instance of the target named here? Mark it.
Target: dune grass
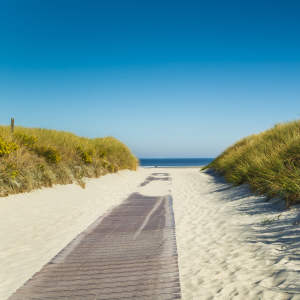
(31, 158)
(269, 162)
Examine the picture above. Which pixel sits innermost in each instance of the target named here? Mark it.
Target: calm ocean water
(174, 162)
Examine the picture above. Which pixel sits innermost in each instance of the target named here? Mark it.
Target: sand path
(35, 226)
(128, 253)
(231, 244)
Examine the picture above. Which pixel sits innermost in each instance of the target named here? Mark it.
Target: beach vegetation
(267, 220)
(14, 173)
(33, 158)
(102, 154)
(30, 142)
(25, 139)
(86, 155)
(269, 162)
(7, 147)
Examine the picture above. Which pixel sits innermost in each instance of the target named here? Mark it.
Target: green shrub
(10, 166)
(41, 166)
(25, 139)
(50, 154)
(86, 155)
(102, 154)
(14, 174)
(7, 147)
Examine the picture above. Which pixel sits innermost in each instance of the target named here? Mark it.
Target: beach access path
(128, 253)
(230, 243)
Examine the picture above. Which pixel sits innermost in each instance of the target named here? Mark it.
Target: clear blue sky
(168, 78)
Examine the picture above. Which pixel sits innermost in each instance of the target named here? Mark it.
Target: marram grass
(31, 158)
(269, 162)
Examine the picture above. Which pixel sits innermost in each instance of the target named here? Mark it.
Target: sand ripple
(226, 250)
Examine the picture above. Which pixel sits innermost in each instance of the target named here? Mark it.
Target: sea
(174, 162)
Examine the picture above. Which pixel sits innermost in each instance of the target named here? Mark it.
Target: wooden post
(12, 124)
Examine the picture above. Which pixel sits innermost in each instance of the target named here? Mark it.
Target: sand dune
(231, 244)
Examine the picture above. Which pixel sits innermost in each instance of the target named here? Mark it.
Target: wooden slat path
(129, 253)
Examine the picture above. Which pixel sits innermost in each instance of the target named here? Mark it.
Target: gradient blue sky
(168, 78)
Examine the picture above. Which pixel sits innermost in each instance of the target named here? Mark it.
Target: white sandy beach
(227, 247)
(37, 225)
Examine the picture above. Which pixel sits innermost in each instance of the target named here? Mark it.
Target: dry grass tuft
(269, 162)
(32, 158)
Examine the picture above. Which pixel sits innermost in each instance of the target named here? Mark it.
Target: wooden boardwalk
(129, 253)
